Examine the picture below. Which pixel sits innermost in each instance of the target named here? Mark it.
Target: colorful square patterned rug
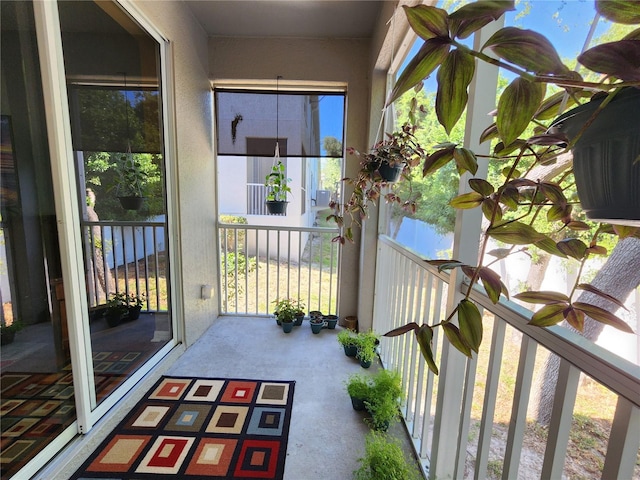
(199, 428)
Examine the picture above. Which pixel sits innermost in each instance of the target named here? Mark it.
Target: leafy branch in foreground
(513, 205)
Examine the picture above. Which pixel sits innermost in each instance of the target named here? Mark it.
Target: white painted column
(482, 100)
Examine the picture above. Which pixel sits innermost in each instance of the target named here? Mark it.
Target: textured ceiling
(287, 18)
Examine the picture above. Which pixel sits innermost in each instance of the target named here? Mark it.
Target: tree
(619, 276)
(331, 168)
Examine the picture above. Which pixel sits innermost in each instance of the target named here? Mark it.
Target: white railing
(126, 257)
(256, 199)
(492, 432)
(260, 264)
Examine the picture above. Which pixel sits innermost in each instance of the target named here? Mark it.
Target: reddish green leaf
(603, 316)
(454, 77)
(575, 318)
(548, 315)
(492, 284)
(573, 248)
(470, 324)
(579, 226)
(516, 107)
(402, 330)
(467, 200)
(465, 160)
(455, 338)
(473, 16)
(489, 133)
(424, 335)
(515, 233)
(553, 192)
(620, 59)
(491, 210)
(558, 212)
(522, 182)
(430, 55)
(619, 11)
(502, 150)
(427, 21)
(550, 107)
(436, 160)
(596, 291)
(597, 250)
(481, 186)
(549, 246)
(546, 297)
(510, 196)
(499, 252)
(625, 231)
(549, 139)
(527, 49)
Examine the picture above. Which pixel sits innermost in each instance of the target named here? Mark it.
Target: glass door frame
(68, 215)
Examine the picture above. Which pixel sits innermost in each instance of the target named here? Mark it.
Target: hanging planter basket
(275, 207)
(131, 203)
(390, 173)
(607, 179)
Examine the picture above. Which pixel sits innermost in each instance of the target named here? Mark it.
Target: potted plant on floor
(384, 399)
(331, 321)
(8, 331)
(349, 342)
(277, 189)
(317, 324)
(367, 343)
(384, 458)
(512, 204)
(299, 314)
(117, 308)
(358, 387)
(134, 305)
(285, 311)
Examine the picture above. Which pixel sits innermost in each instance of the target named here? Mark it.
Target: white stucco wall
(342, 63)
(193, 175)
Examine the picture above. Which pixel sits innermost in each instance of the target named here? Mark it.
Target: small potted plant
(299, 314)
(131, 182)
(134, 305)
(285, 312)
(358, 387)
(367, 342)
(384, 399)
(384, 458)
(349, 342)
(117, 308)
(277, 189)
(8, 331)
(317, 324)
(331, 320)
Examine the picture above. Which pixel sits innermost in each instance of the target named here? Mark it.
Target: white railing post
(624, 441)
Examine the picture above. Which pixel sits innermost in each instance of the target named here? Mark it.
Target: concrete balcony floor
(326, 436)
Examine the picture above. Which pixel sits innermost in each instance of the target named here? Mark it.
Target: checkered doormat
(199, 428)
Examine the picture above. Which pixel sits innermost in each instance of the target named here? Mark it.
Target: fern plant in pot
(513, 203)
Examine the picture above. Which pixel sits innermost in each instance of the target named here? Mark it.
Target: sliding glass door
(61, 366)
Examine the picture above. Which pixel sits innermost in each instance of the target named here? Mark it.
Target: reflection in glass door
(37, 395)
(113, 83)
